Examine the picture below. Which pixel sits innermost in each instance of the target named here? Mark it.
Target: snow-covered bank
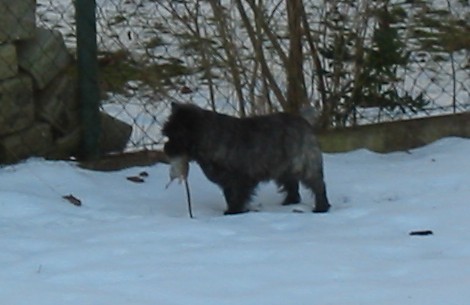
(134, 243)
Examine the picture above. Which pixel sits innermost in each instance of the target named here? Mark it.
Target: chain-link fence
(356, 62)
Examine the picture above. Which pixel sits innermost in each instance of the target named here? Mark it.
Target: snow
(134, 243)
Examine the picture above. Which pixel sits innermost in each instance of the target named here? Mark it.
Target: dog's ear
(175, 106)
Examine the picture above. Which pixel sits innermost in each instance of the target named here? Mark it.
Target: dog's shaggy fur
(237, 154)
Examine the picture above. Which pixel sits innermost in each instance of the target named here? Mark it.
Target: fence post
(88, 89)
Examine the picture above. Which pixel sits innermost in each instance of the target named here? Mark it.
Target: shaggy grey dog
(237, 154)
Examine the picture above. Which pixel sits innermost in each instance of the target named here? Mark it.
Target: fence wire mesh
(362, 62)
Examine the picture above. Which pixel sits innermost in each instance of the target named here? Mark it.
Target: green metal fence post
(88, 89)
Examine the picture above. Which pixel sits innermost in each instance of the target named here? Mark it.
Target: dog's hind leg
(291, 188)
(317, 186)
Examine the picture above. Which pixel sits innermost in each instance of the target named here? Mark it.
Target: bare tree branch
(259, 55)
(230, 52)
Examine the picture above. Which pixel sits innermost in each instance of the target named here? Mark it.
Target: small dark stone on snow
(421, 233)
(73, 200)
(135, 179)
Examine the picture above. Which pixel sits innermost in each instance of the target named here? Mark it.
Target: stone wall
(396, 136)
(39, 109)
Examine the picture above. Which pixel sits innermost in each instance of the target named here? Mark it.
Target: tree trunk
(296, 92)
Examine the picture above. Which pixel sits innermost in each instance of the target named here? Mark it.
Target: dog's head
(180, 129)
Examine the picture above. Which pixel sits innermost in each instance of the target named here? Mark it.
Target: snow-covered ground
(132, 243)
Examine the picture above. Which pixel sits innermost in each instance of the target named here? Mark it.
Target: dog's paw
(234, 212)
(321, 209)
